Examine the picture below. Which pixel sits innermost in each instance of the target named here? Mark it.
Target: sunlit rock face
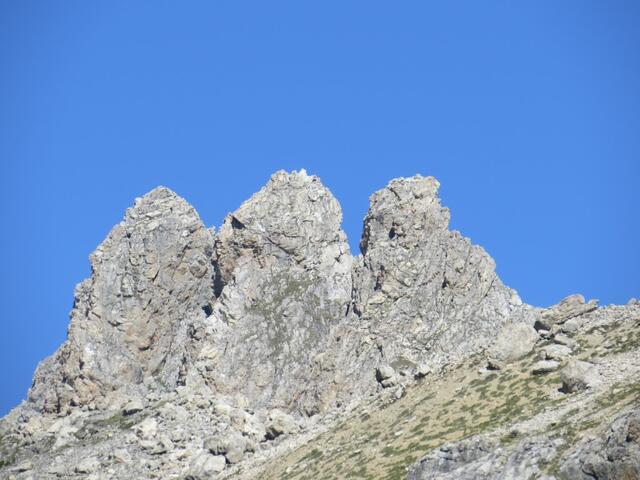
(150, 278)
(197, 352)
(284, 273)
(275, 308)
(426, 292)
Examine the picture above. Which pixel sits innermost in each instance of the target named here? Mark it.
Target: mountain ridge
(260, 333)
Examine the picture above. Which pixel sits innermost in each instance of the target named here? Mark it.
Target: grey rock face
(615, 454)
(425, 293)
(284, 274)
(164, 307)
(129, 323)
(480, 458)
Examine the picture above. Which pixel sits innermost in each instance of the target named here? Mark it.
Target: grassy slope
(381, 440)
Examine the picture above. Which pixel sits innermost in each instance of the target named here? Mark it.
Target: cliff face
(274, 307)
(151, 278)
(200, 354)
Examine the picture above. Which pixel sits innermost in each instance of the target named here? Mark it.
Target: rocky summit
(267, 350)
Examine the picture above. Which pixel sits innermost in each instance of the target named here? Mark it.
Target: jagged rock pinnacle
(149, 276)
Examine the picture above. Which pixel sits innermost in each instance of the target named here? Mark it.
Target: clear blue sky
(527, 112)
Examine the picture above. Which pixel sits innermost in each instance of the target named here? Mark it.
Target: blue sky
(527, 112)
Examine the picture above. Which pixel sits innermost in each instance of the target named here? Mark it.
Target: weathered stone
(134, 406)
(147, 428)
(614, 454)
(422, 371)
(426, 293)
(385, 372)
(562, 339)
(482, 458)
(87, 465)
(130, 319)
(227, 341)
(556, 352)
(544, 366)
(230, 444)
(205, 465)
(121, 455)
(569, 307)
(514, 341)
(280, 423)
(284, 279)
(578, 375)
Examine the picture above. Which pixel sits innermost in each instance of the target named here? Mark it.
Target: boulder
(386, 376)
(578, 375)
(205, 465)
(88, 465)
(556, 352)
(280, 423)
(563, 339)
(544, 366)
(422, 370)
(135, 405)
(230, 444)
(514, 341)
(147, 429)
(569, 307)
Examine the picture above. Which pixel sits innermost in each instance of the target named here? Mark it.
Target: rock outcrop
(129, 325)
(614, 454)
(426, 294)
(196, 354)
(284, 278)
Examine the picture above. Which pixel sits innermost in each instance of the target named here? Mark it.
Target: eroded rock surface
(195, 355)
(150, 279)
(614, 454)
(284, 270)
(425, 293)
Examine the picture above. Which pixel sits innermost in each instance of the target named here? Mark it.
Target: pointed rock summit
(285, 267)
(426, 292)
(150, 276)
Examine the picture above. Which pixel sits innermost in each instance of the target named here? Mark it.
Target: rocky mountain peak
(193, 355)
(292, 217)
(284, 281)
(149, 276)
(403, 206)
